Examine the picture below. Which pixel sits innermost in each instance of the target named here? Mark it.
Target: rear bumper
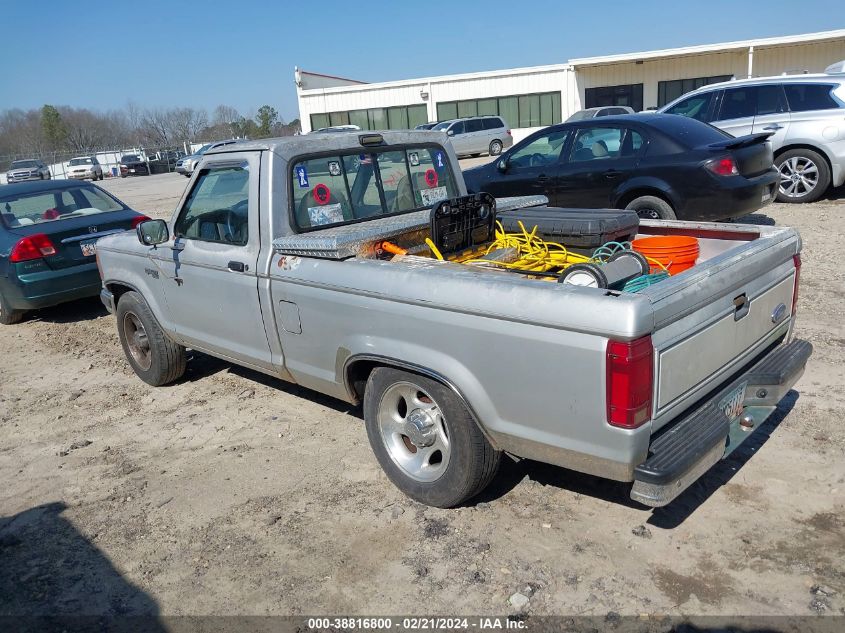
(683, 452)
(52, 287)
(735, 197)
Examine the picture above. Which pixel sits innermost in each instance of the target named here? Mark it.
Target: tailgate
(716, 317)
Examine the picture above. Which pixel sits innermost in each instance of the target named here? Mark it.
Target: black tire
(589, 270)
(472, 462)
(475, 155)
(791, 165)
(7, 315)
(166, 361)
(652, 208)
(495, 147)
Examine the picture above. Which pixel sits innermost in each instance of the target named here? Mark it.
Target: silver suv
(804, 113)
(28, 169)
(476, 135)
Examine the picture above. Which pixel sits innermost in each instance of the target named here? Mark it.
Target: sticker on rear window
(430, 196)
(302, 175)
(438, 160)
(334, 168)
(326, 214)
(414, 159)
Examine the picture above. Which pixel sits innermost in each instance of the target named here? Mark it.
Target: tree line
(55, 129)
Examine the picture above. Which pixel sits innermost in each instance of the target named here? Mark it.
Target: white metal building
(531, 98)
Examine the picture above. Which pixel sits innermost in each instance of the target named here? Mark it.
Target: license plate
(88, 248)
(766, 196)
(732, 403)
(131, 171)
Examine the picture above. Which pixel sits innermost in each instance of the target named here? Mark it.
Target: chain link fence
(159, 160)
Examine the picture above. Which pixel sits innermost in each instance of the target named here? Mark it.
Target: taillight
(796, 259)
(722, 166)
(509, 132)
(630, 380)
(32, 247)
(137, 220)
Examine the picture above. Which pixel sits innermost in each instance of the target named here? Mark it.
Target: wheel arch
(357, 369)
(638, 190)
(813, 148)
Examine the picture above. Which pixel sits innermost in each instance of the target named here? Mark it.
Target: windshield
(131, 158)
(442, 126)
(203, 149)
(351, 186)
(81, 161)
(47, 206)
(581, 115)
(23, 163)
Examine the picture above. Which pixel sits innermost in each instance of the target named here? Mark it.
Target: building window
(630, 95)
(396, 118)
(670, 90)
(520, 111)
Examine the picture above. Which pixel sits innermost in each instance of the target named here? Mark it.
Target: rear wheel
(425, 439)
(7, 315)
(652, 208)
(155, 358)
(804, 176)
(495, 148)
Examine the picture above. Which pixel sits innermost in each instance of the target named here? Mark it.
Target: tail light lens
(630, 378)
(32, 247)
(722, 166)
(137, 220)
(796, 259)
(509, 132)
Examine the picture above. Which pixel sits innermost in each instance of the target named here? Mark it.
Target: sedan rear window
(46, 206)
(804, 97)
(354, 186)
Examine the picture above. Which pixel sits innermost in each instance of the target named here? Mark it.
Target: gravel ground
(232, 493)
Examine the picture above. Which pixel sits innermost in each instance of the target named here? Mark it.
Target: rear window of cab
(356, 185)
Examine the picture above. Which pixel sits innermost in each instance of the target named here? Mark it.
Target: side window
(804, 97)
(738, 103)
(492, 123)
(473, 125)
(770, 99)
(457, 128)
(695, 107)
(217, 207)
(596, 143)
(543, 150)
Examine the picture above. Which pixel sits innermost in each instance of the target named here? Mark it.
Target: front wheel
(652, 208)
(804, 176)
(155, 358)
(495, 148)
(425, 438)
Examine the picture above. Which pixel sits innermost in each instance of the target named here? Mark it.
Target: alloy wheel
(798, 176)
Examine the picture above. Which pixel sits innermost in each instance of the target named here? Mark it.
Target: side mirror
(152, 232)
(502, 165)
(450, 132)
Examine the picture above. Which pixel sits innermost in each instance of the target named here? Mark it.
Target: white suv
(804, 113)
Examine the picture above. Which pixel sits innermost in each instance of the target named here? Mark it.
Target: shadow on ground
(52, 577)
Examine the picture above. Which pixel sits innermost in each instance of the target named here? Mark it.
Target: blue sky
(242, 52)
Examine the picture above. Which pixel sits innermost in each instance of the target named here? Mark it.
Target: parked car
(165, 161)
(27, 169)
(186, 165)
(426, 126)
(804, 113)
(48, 237)
(133, 165)
(455, 365)
(85, 167)
(474, 136)
(592, 113)
(661, 166)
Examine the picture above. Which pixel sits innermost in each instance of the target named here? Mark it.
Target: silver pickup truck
(273, 260)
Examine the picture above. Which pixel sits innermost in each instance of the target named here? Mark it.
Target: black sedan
(133, 165)
(662, 166)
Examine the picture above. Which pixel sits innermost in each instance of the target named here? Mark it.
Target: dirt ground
(232, 493)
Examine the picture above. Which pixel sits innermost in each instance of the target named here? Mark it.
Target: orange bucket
(676, 252)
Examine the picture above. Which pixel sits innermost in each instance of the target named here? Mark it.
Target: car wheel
(40, 176)
(425, 438)
(804, 176)
(495, 148)
(652, 208)
(7, 315)
(153, 356)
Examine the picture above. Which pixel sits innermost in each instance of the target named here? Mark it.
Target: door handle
(742, 304)
(773, 126)
(610, 174)
(542, 178)
(238, 267)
